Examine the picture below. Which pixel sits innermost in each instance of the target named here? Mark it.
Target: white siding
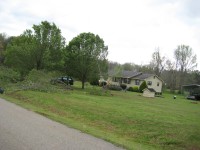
(156, 83)
(147, 93)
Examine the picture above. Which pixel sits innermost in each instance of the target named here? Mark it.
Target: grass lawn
(124, 118)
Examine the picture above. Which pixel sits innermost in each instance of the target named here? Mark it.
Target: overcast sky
(132, 29)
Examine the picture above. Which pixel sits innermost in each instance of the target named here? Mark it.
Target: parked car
(194, 97)
(191, 97)
(66, 79)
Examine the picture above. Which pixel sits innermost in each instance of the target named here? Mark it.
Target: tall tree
(186, 61)
(50, 44)
(83, 54)
(196, 76)
(171, 75)
(41, 48)
(158, 62)
(20, 51)
(4, 40)
(128, 66)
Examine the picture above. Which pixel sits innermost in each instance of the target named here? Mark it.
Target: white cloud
(132, 29)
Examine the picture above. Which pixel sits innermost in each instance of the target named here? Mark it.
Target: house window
(115, 79)
(127, 80)
(158, 84)
(149, 83)
(137, 82)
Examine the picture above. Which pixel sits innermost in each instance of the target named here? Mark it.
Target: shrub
(130, 89)
(103, 83)
(94, 82)
(142, 86)
(133, 89)
(8, 75)
(123, 86)
(114, 87)
(39, 80)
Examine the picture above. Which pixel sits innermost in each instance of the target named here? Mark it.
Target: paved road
(21, 129)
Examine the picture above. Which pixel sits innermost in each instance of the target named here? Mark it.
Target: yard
(124, 118)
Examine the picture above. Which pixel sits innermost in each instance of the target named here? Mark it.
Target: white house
(131, 79)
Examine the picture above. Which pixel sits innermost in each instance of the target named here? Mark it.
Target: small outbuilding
(193, 90)
(149, 92)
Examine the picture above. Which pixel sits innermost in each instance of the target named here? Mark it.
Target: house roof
(144, 76)
(132, 74)
(124, 74)
(191, 86)
(149, 89)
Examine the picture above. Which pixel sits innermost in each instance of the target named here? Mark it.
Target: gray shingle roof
(124, 74)
(130, 74)
(144, 76)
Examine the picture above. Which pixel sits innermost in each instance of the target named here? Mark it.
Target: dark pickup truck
(66, 79)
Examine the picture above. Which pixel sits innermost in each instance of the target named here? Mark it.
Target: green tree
(20, 51)
(128, 66)
(185, 60)
(142, 86)
(50, 44)
(83, 56)
(41, 48)
(4, 40)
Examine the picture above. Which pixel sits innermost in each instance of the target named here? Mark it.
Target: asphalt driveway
(21, 129)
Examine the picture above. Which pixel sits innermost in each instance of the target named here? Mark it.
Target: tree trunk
(83, 84)
(173, 81)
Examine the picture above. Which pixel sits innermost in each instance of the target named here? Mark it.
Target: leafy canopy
(41, 48)
(84, 54)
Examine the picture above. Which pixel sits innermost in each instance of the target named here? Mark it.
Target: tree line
(44, 47)
(85, 57)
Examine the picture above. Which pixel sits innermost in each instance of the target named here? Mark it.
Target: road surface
(21, 129)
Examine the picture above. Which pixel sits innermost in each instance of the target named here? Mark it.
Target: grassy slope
(125, 118)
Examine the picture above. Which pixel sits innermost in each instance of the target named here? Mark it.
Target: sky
(132, 29)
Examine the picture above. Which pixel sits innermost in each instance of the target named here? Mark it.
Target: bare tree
(158, 62)
(185, 60)
(172, 74)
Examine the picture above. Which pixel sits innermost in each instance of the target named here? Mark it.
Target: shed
(149, 92)
(194, 91)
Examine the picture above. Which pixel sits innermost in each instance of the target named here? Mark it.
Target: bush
(39, 80)
(114, 87)
(130, 89)
(123, 86)
(103, 83)
(94, 82)
(142, 86)
(8, 75)
(133, 89)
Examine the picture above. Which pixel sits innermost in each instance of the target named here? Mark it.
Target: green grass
(124, 118)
